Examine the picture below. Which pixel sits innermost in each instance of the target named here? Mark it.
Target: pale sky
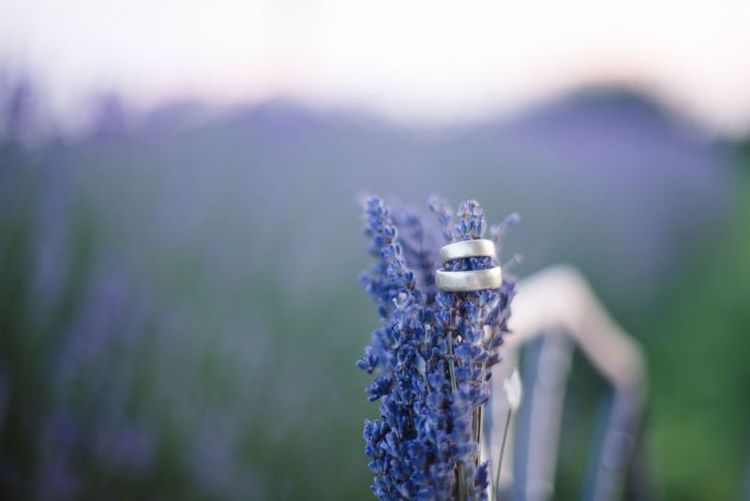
(413, 60)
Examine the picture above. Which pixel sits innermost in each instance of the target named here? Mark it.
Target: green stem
(479, 420)
(461, 487)
(478, 424)
(500, 456)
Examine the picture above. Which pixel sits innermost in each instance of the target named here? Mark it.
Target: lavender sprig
(394, 352)
(431, 359)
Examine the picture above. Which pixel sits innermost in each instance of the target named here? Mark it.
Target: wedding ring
(464, 281)
(467, 248)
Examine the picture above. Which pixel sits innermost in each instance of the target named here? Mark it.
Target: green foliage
(697, 353)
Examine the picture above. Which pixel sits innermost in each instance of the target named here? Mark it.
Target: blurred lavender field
(180, 316)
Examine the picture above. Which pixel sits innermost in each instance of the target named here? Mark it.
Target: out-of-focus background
(180, 235)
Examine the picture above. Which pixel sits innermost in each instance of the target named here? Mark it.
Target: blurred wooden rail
(557, 311)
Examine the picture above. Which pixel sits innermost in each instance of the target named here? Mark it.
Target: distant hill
(605, 178)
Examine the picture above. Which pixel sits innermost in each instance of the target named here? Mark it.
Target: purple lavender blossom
(474, 323)
(389, 276)
(431, 358)
(418, 247)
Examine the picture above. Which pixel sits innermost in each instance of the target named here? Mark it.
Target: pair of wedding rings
(464, 281)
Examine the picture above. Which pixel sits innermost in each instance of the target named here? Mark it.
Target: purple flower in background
(431, 358)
